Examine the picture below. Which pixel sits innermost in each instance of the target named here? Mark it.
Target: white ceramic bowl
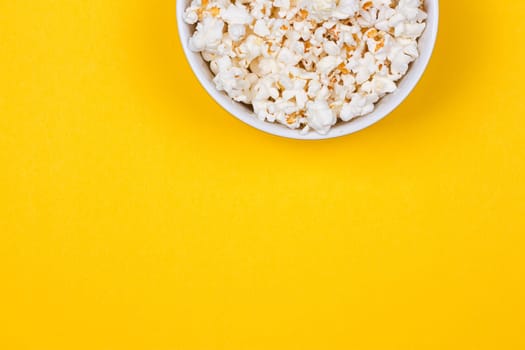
(386, 105)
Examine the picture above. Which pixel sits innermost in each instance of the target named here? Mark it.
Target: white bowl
(386, 105)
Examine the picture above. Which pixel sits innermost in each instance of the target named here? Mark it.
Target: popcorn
(328, 64)
(236, 14)
(307, 64)
(320, 116)
(208, 35)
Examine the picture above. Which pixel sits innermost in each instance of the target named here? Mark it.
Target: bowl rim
(393, 100)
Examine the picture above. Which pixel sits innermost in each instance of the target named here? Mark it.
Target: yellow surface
(136, 214)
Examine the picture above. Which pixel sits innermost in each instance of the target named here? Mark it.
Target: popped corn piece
(320, 116)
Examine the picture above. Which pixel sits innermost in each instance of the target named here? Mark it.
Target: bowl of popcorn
(308, 69)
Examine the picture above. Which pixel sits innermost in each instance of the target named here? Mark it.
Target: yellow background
(136, 214)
